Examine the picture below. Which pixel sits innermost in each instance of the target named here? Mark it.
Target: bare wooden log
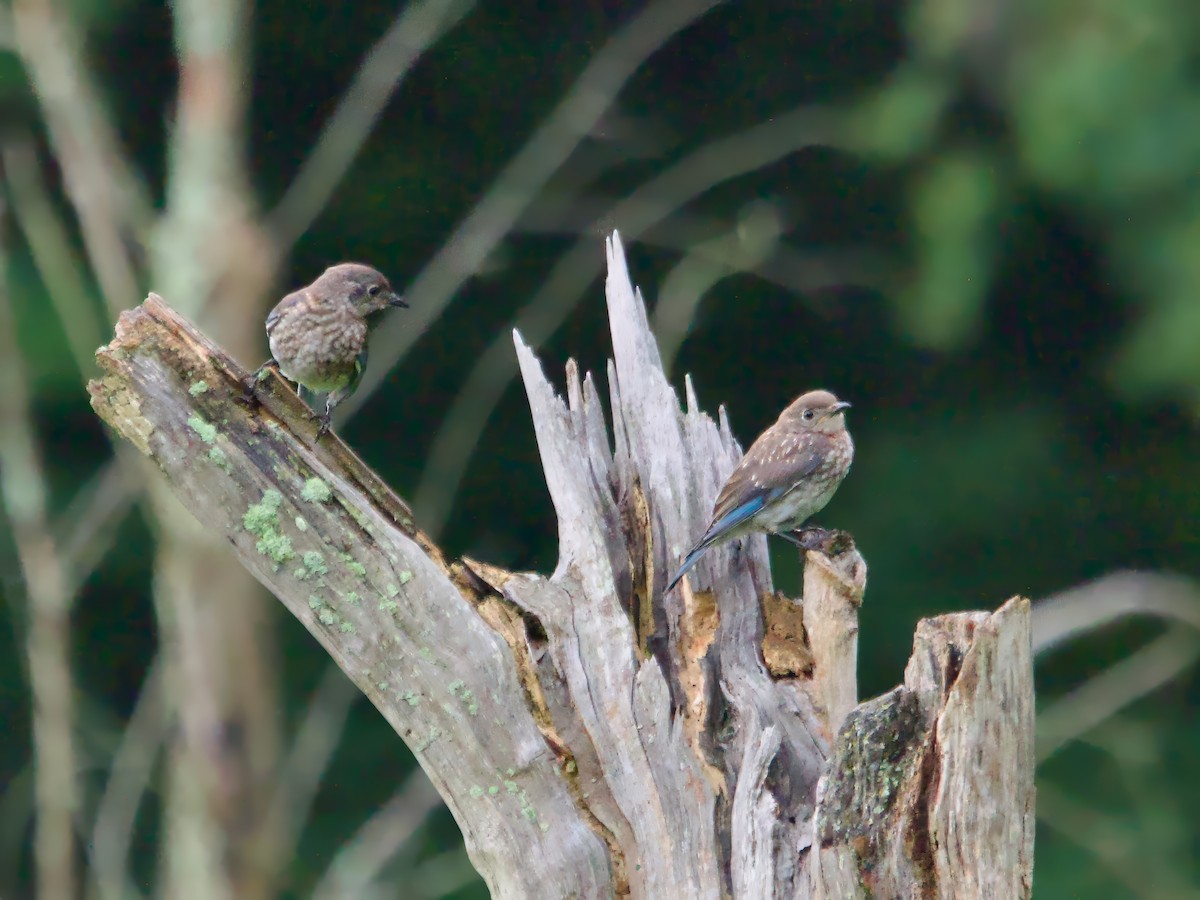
(339, 549)
(630, 743)
(930, 789)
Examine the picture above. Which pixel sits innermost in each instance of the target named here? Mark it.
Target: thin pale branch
(515, 187)
(87, 529)
(440, 876)
(752, 240)
(715, 162)
(55, 258)
(415, 29)
(1102, 696)
(1102, 834)
(47, 640)
(799, 271)
(377, 842)
(100, 181)
(313, 747)
(1083, 609)
(129, 776)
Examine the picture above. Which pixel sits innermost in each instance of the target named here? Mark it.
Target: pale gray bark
(592, 737)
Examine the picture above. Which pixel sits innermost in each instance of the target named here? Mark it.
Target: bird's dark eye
(808, 415)
(373, 290)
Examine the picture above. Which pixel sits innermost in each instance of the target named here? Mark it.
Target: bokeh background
(977, 220)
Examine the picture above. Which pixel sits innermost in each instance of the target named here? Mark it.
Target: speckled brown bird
(318, 334)
(789, 474)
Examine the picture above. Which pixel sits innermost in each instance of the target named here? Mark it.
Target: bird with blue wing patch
(787, 476)
(318, 334)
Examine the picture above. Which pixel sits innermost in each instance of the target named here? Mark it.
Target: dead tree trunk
(592, 737)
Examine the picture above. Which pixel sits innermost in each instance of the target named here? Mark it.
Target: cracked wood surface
(592, 737)
(340, 550)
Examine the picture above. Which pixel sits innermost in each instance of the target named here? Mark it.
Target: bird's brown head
(816, 411)
(366, 288)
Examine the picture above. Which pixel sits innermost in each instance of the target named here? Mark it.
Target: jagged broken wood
(592, 737)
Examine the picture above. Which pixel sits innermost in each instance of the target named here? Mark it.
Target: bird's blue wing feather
(738, 515)
(761, 478)
(722, 526)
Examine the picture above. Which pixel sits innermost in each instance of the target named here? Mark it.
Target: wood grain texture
(340, 551)
(593, 737)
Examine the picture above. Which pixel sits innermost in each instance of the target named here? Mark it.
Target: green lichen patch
(315, 602)
(315, 491)
(466, 697)
(388, 606)
(347, 627)
(493, 790)
(411, 698)
(355, 567)
(206, 430)
(198, 387)
(476, 791)
(405, 576)
(218, 458)
(262, 520)
(265, 513)
(527, 808)
(326, 615)
(877, 752)
(301, 523)
(315, 563)
(434, 734)
(352, 597)
(276, 546)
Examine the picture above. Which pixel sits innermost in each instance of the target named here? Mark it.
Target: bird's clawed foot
(829, 541)
(326, 418)
(325, 424)
(810, 537)
(249, 395)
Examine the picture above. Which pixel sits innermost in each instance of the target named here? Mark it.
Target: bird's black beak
(397, 301)
(837, 408)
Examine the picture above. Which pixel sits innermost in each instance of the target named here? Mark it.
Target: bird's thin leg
(331, 402)
(325, 418)
(809, 537)
(791, 539)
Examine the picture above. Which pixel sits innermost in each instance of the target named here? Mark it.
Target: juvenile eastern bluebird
(318, 334)
(787, 475)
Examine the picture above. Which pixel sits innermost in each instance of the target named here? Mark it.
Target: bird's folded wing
(768, 472)
(283, 307)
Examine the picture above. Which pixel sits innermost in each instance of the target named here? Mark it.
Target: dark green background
(1018, 329)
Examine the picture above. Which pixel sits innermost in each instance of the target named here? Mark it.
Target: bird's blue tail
(688, 561)
(719, 529)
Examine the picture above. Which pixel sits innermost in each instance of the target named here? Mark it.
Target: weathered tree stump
(591, 736)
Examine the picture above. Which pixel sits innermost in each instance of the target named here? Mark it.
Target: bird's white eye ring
(373, 290)
(808, 414)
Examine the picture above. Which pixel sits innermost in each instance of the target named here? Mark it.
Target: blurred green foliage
(1025, 369)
